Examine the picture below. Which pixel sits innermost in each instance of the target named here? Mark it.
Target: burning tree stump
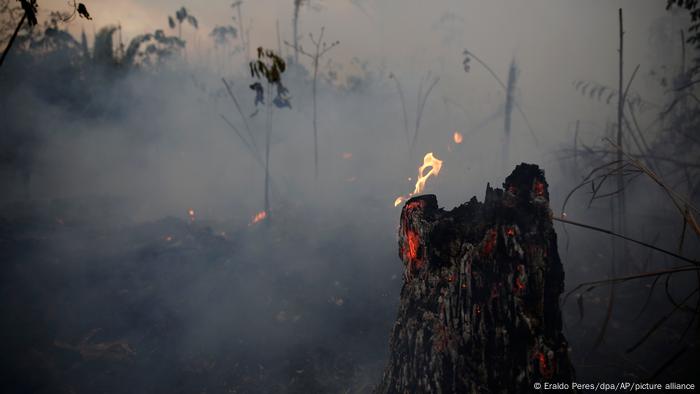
(479, 308)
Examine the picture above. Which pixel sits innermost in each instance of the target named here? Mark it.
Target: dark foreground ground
(93, 303)
(178, 306)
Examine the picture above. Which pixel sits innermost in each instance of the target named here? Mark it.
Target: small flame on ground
(258, 217)
(190, 213)
(168, 238)
(429, 161)
(457, 137)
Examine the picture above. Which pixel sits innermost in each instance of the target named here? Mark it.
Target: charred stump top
(479, 309)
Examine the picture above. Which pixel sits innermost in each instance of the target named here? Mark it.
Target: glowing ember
(410, 247)
(413, 243)
(489, 241)
(546, 367)
(258, 217)
(429, 161)
(190, 213)
(457, 137)
(539, 189)
(347, 155)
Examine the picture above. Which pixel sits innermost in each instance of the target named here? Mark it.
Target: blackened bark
(479, 308)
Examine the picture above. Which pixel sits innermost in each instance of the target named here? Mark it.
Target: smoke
(101, 163)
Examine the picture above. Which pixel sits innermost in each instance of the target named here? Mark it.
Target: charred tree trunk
(479, 308)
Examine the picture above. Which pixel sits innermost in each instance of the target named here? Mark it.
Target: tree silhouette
(320, 49)
(29, 10)
(182, 15)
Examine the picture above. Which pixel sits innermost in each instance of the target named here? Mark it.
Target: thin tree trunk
(12, 39)
(314, 120)
(295, 31)
(621, 209)
(268, 129)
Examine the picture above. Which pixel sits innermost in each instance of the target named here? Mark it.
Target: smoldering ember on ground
(356, 196)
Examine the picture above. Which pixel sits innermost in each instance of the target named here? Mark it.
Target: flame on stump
(479, 309)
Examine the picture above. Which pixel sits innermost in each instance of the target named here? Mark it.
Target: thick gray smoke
(101, 161)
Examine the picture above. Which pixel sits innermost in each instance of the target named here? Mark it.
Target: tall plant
(268, 69)
(320, 49)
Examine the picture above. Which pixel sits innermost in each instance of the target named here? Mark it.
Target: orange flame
(457, 137)
(258, 217)
(429, 161)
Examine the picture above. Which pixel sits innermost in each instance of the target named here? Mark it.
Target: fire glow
(429, 161)
(190, 213)
(258, 217)
(457, 137)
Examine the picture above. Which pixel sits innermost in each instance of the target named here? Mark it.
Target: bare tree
(320, 49)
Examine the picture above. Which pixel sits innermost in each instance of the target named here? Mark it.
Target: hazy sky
(554, 42)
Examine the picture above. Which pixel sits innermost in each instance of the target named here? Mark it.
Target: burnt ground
(95, 303)
(178, 306)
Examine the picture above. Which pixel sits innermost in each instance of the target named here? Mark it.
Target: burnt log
(479, 309)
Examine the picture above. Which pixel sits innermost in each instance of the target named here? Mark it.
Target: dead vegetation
(635, 160)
